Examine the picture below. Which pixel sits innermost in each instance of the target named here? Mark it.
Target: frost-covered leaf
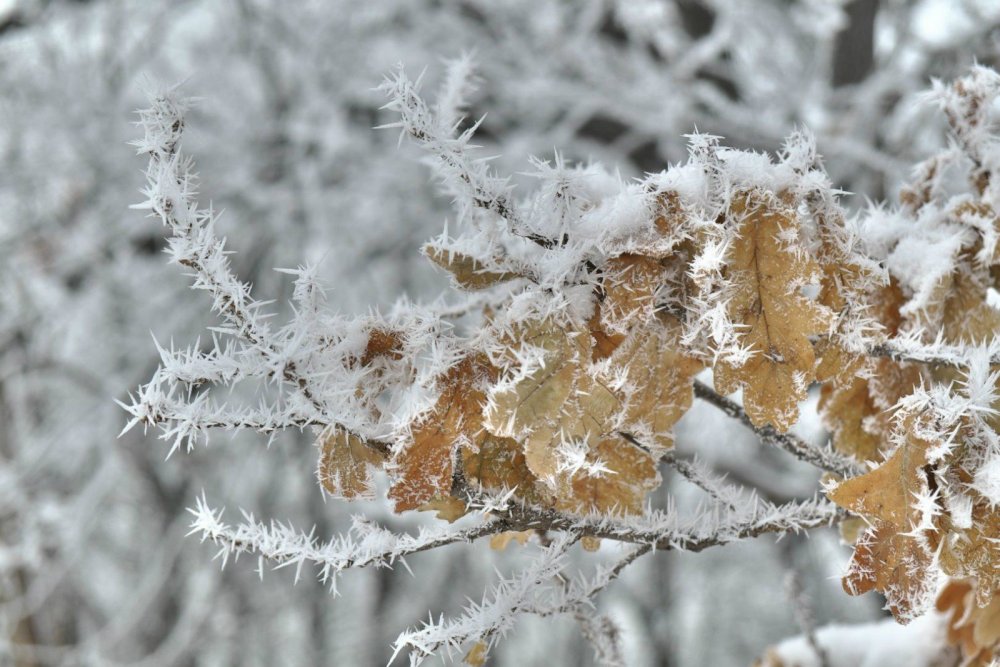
(553, 399)
(628, 475)
(856, 406)
(468, 272)
(974, 629)
(630, 287)
(895, 555)
(659, 378)
(426, 464)
(346, 465)
(767, 269)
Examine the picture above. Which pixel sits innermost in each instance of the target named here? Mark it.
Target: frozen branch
(824, 459)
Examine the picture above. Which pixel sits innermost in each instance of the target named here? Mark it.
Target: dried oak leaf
(892, 557)
(500, 541)
(973, 629)
(424, 469)
(604, 342)
(630, 474)
(958, 308)
(974, 551)
(554, 399)
(630, 285)
(659, 381)
(346, 464)
(844, 282)
(467, 272)
(858, 411)
(448, 508)
(767, 267)
(498, 464)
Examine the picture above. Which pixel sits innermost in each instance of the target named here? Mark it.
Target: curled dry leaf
(500, 541)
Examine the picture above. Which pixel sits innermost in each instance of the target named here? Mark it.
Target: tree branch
(822, 458)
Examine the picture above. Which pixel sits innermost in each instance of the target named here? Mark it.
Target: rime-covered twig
(938, 354)
(365, 545)
(654, 531)
(171, 195)
(802, 610)
(716, 525)
(696, 473)
(461, 172)
(822, 458)
(495, 615)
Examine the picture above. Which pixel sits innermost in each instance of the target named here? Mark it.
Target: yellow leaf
(767, 268)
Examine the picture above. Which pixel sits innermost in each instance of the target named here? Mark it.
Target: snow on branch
(468, 179)
(549, 408)
(365, 545)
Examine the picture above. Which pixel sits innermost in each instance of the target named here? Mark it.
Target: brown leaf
(973, 629)
(630, 285)
(448, 508)
(631, 475)
(767, 268)
(467, 272)
(346, 465)
(889, 557)
(604, 343)
(425, 467)
(558, 400)
(498, 464)
(974, 551)
(500, 541)
(382, 343)
(661, 378)
(958, 308)
(858, 409)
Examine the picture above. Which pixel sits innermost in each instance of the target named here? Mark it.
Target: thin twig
(822, 458)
